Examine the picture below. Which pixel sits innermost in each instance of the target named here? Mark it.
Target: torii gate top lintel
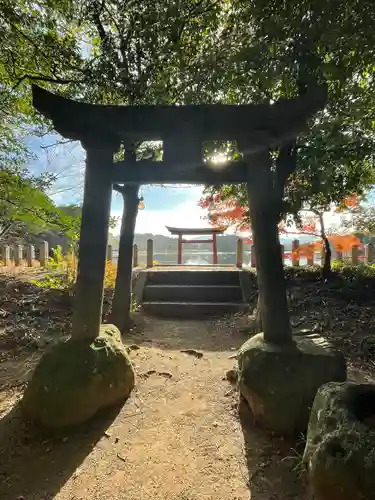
(257, 122)
(183, 130)
(196, 231)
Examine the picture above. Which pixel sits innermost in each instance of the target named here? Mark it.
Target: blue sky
(170, 205)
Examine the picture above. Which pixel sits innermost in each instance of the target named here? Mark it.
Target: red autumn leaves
(224, 213)
(229, 213)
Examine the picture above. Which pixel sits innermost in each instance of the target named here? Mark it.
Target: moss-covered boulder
(78, 377)
(280, 382)
(340, 448)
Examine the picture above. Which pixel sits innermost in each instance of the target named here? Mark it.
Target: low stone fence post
(282, 250)
(322, 256)
(355, 255)
(295, 253)
(109, 253)
(43, 253)
(239, 252)
(18, 255)
(252, 261)
(150, 252)
(135, 255)
(6, 256)
(30, 255)
(369, 254)
(310, 259)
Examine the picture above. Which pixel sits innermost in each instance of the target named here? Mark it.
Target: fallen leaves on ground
(341, 308)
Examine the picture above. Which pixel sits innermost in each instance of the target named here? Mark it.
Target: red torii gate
(179, 231)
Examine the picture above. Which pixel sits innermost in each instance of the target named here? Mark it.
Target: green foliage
(353, 272)
(343, 272)
(143, 53)
(202, 51)
(24, 206)
(52, 282)
(284, 47)
(37, 43)
(62, 272)
(57, 260)
(134, 306)
(71, 216)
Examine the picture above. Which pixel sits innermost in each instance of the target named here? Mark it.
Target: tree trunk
(327, 268)
(264, 204)
(327, 248)
(122, 298)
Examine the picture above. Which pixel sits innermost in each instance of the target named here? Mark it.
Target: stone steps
(191, 310)
(192, 293)
(185, 293)
(193, 277)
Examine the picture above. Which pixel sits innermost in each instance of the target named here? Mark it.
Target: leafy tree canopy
(233, 51)
(282, 48)
(25, 206)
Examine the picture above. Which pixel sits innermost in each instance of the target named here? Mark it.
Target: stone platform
(191, 291)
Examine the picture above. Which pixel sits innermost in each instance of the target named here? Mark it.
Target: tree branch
(286, 164)
(34, 212)
(97, 10)
(6, 228)
(57, 143)
(59, 81)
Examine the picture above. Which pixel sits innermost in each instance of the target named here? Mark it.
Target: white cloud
(185, 214)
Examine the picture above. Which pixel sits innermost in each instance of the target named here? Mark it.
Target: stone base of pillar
(77, 378)
(280, 382)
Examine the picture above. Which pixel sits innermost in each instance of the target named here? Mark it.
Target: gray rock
(340, 449)
(78, 377)
(280, 382)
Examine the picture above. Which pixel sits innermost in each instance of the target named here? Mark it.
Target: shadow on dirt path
(35, 465)
(274, 464)
(178, 437)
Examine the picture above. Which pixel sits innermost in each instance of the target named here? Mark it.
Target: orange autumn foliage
(228, 217)
(349, 202)
(230, 213)
(223, 213)
(341, 243)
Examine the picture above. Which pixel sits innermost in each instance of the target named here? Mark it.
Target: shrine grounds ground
(182, 434)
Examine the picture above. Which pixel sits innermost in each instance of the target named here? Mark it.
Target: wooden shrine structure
(180, 232)
(103, 130)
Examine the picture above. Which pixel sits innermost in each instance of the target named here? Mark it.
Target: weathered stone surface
(280, 382)
(77, 378)
(340, 449)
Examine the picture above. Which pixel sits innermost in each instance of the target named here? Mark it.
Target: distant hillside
(225, 243)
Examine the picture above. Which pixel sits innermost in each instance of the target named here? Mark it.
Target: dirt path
(178, 437)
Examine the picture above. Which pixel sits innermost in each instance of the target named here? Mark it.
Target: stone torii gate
(103, 129)
(91, 370)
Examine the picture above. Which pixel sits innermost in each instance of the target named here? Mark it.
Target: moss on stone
(340, 448)
(78, 377)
